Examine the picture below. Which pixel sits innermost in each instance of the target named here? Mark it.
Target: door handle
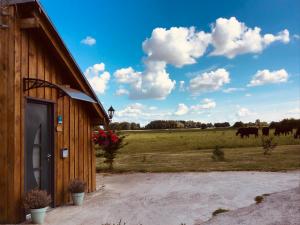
(49, 156)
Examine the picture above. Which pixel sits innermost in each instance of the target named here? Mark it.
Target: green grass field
(191, 150)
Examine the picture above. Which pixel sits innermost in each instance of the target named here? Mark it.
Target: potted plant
(37, 201)
(77, 188)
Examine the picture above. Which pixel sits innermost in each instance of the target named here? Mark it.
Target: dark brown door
(39, 146)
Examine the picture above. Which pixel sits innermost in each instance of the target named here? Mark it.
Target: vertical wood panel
(93, 162)
(90, 151)
(3, 122)
(59, 145)
(12, 202)
(76, 153)
(40, 69)
(24, 74)
(80, 146)
(72, 140)
(66, 141)
(18, 125)
(47, 76)
(85, 147)
(32, 63)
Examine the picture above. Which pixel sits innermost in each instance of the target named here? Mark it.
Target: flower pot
(77, 198)
(38, 215)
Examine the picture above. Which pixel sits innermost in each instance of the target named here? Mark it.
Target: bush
(258, 199)
(36, 199)
(77, 186)
(110, 142)
(218, 154)
(268, 144)
(219, 210)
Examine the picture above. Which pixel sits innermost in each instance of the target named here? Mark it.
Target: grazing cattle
(265, 131)
(246, 131)
(297, 134)
(286, 130)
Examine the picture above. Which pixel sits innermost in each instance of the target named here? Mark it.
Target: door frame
(52, 105)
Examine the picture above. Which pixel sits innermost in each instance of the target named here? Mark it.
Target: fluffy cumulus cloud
(177, 46)
(268, 77)
(88, 41)
(231, 37)
(180, 46)
(182, 109)
(98, 77)
(154, 82)
(206, 104)
(209, 81)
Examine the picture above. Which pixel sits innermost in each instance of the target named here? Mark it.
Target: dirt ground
(281, 208)
(175, 198)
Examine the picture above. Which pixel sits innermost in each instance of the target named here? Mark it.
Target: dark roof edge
(13, 2)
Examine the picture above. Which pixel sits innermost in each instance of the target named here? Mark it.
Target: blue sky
(208, 61)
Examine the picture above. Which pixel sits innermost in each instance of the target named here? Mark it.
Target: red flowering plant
(110, 143)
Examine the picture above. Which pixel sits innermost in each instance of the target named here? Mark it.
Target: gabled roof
(55, 39)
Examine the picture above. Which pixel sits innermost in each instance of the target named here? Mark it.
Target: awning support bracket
(31, 83)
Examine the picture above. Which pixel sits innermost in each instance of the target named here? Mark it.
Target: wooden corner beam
(29, 23)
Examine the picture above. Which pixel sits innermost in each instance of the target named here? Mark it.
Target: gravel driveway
(170, 198)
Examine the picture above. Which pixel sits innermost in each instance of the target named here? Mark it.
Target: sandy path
(170, 198)
(281, 208)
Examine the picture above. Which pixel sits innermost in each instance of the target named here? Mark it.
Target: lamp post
(111, 112)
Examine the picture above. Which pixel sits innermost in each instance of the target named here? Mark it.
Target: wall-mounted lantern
(111, 112)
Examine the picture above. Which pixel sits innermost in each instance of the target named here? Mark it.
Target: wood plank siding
(36, 53)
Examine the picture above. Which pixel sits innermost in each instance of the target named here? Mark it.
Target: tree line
(181, 124)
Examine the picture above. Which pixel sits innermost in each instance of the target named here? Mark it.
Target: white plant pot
(78, 198)
(38, 215)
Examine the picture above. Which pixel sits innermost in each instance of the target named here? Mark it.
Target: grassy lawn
(191, 150)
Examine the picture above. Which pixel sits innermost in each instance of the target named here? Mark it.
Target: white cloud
(97, 77)
(204, 105)
(141, 113)
(182, 109)
(244, 112)
(296, 36)
(248, 95)
(231, 37)
(230, 90)
(154, 82)
(182, 85)
(88, 41)
(268, 77)
(294, 113)
(177, 46)
(209, 81)
(127, 76)
(122, 91)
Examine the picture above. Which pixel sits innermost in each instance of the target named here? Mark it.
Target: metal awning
(31, 83)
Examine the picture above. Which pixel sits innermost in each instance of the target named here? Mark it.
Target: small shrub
(258, 199)
(36, 199)
(268, 144)
(219, 210)
(77, 186)
(218, 154)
